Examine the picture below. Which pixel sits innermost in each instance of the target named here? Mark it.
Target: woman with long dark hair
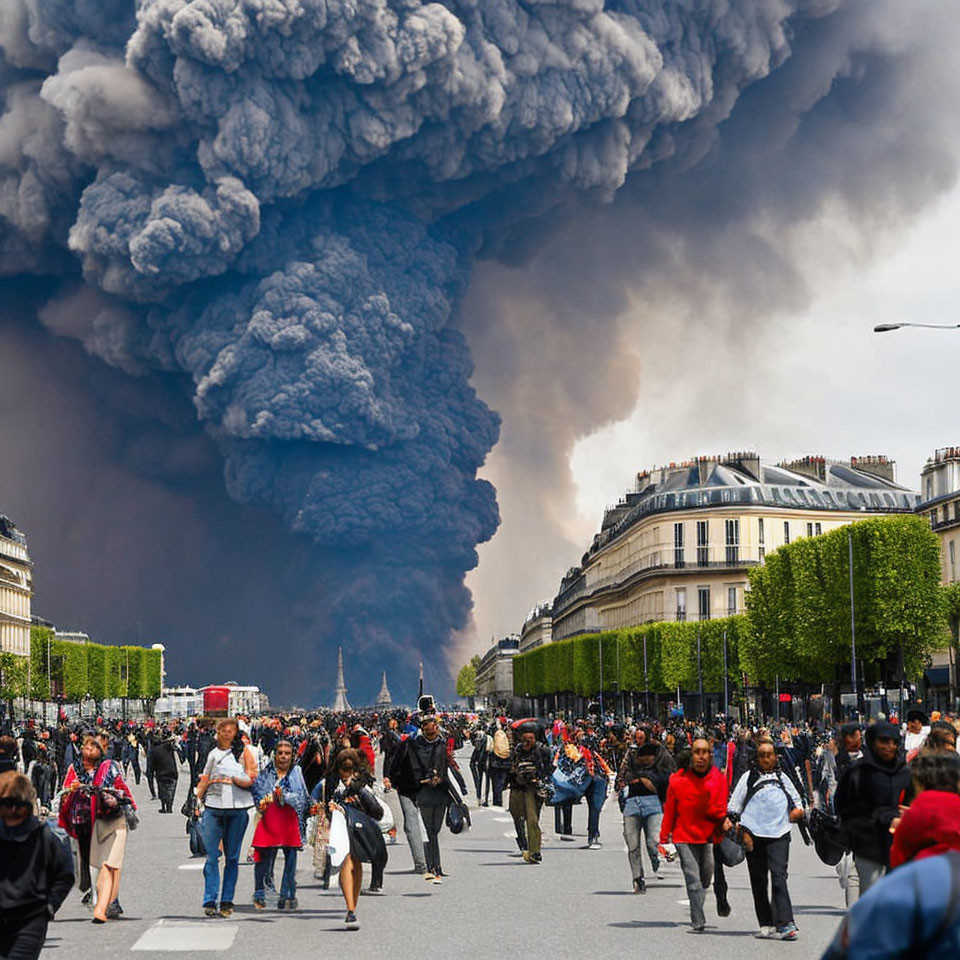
(353, 793)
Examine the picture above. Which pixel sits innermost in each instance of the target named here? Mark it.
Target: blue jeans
(228, 826)
(264, 869)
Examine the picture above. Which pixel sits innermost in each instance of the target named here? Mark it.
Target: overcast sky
(815, 382)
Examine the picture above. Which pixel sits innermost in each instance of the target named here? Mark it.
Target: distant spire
(340, 703)
(420, 694)
(383, 697)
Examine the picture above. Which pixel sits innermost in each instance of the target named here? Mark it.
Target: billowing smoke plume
(283, 201)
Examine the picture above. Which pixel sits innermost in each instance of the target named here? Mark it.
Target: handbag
(130, 815)
(730, 851)
(827, 836)
(108, 804)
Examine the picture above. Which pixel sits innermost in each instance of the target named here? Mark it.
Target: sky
(298, 311)
(815, 381)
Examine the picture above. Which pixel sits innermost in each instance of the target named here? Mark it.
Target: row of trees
(655, 657)
(72, 672)
(797, 626)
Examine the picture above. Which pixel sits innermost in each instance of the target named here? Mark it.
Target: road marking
(684, 903)
(186, 936)
(190, 866)
(503, 819)
(512, 834)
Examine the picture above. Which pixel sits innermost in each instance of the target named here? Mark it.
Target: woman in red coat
(932, 823)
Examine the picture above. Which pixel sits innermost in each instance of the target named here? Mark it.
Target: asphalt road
(576, 903)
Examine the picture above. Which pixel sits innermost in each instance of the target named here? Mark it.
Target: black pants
(498, 777)
(769, 860)
(149, 774)
(433, 817)
(135, 760)
(719, 881)
(476, 768)
(563, 819)
(22, 939)
(167, 788)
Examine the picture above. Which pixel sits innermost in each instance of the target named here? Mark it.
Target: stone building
(495, 677)
(16, 589)
(681, 544)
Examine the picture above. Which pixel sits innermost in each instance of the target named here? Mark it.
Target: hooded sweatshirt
(931, 826)
(36, 870)
(868, 798)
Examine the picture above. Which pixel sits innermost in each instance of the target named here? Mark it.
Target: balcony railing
(715, 557)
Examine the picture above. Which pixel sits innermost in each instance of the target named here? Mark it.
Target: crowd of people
(880, 803)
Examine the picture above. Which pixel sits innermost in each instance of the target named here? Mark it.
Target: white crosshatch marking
(185, 936)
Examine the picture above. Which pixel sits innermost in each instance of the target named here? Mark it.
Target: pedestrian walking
(643, 791)
(281, 795)
(868, 800)
(530, 769)
(360, 806)
(694, 816)
(428, 755)
(224, 788)
(97, 784)
(765, 803)
(36, 871)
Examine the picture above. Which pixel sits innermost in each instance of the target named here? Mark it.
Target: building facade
(537, 628)
(681, 544)
(940, 489)
(16, 589)
(495, 675)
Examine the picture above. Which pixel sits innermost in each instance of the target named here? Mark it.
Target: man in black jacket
(36, 871)
(163, 761)
(428, 760)
(530, 767)
(398, 773)
(868, 799)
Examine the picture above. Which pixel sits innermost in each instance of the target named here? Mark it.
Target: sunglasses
(11, 803)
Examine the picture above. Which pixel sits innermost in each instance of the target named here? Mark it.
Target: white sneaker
(428, 876)
(596, 845)
(765, 933)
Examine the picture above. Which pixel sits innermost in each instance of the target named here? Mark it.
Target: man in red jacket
(694, 817)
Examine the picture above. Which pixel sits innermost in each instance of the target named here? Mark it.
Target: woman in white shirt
(224, 788)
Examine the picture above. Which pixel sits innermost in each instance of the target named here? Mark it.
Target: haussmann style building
(16, 589)
(680, 545)
(940, 490)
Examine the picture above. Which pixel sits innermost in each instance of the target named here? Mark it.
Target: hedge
(573, 666)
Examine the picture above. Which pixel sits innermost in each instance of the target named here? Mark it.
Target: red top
(931, 826)
(279, 826)
(695, 808)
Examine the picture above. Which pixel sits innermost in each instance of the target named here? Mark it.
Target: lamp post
(646, 680)
(600, 649)
(726, 685)
(853, 621)
(699, 673)
(887, 327)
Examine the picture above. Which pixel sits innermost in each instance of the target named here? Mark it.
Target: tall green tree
(467, 678)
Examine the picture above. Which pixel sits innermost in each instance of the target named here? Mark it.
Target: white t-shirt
(221, 793)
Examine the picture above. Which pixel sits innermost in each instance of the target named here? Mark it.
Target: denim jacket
(293, 786)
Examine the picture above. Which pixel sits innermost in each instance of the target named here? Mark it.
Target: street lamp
(887, 327)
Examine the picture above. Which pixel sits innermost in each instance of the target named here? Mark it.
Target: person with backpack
(765, 802)
(428, 759)
(498, 762)
(36, 871)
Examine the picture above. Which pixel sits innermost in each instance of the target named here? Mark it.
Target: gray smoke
(283, 200)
